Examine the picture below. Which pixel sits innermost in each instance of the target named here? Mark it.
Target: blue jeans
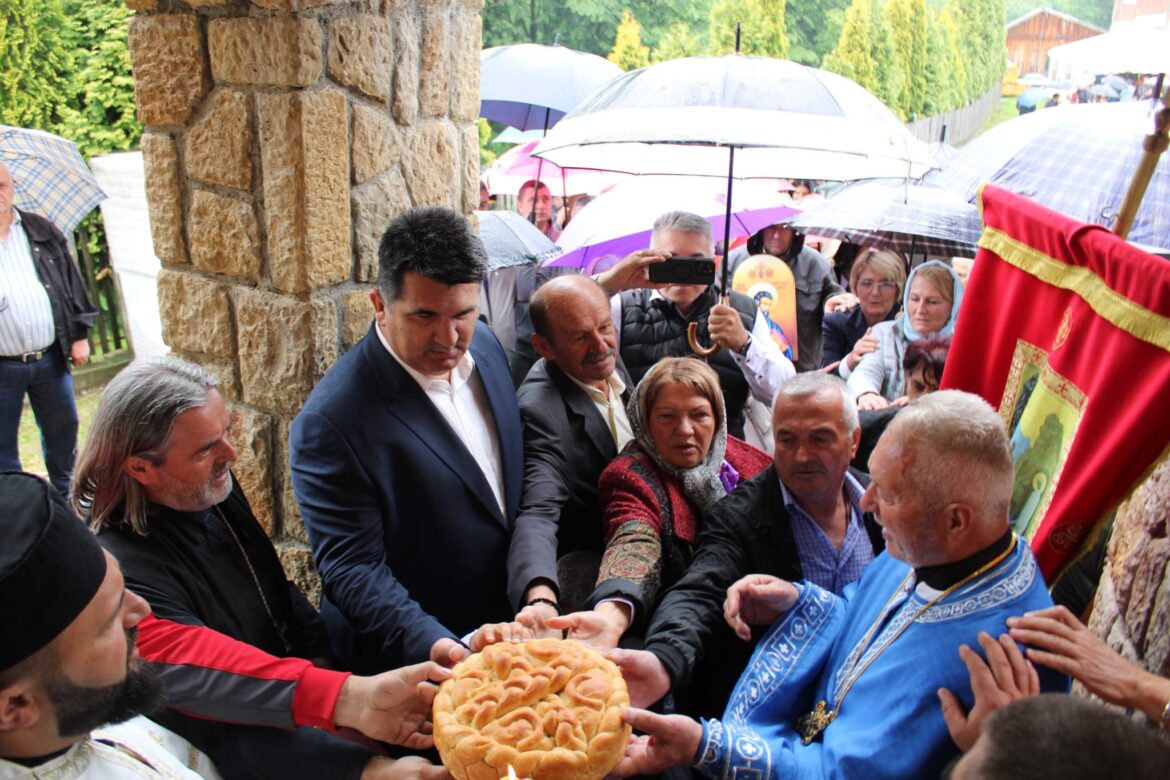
(50, 392)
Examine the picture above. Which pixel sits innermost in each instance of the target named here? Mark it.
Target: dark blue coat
(406, 532)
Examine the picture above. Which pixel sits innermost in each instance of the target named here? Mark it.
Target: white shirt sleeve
(764, 367)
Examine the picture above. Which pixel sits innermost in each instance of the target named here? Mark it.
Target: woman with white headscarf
(930, 307)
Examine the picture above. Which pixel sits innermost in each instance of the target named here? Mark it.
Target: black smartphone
(684, 270)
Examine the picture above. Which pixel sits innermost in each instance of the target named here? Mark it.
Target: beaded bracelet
(541, 600)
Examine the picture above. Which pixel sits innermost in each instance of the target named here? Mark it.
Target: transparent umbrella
(890, 214)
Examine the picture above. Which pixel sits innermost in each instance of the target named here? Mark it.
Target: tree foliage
(587, 25)
(628, 51)
(945, 73)
(106, 117)
(814, 27)
(65, 68)
(853, 57)
(764, 31)
(36, 63)
(908, 25)
(678, 41)
(887, 69)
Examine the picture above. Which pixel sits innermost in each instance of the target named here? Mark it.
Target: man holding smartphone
(652, 321)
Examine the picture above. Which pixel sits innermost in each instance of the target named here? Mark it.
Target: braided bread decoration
(550, 708)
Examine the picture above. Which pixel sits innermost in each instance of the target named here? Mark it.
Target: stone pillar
(1132, 607)
(281, 137)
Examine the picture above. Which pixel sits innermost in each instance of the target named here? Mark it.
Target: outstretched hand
(491, 633)
(668, 740)
(646, 678)
(1058, 640)
(841, 302)
(589, 628)
(447, 652)
(1004, 677)
(757, 600)
(394, 706)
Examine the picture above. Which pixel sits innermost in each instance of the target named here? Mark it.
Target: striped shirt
(26, 314)
(821, 563)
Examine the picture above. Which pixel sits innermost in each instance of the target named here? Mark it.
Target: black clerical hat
(51, 566)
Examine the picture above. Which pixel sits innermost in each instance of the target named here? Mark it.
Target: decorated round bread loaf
(549, 708)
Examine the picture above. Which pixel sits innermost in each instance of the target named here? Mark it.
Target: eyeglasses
(865, 285)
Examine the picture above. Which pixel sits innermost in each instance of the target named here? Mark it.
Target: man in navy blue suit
(407, 459)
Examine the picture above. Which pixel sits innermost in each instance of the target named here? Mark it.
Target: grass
(1005, 111)
(29, 437)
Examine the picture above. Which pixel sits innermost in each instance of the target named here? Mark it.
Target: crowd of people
(791, 610)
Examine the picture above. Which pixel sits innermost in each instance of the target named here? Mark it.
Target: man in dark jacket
(243, 655)
(573, 408)
(801, 520)
(45, 318)
(815, 286)
(652, 323)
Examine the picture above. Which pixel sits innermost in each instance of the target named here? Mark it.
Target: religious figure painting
(1042, 410)
(769, 282)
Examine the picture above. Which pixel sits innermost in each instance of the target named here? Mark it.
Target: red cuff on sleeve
(315, 699)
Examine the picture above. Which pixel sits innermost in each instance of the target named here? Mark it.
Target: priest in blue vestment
(848, 686)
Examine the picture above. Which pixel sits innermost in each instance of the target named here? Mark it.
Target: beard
(81, 709)
(184, 497)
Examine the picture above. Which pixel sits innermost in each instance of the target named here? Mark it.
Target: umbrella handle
(693, 341)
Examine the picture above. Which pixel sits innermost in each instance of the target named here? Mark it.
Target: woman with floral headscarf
(680, 462)
(930, 307)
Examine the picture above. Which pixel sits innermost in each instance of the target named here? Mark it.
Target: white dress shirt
(26, 314)
(463, 403)
(609, 405)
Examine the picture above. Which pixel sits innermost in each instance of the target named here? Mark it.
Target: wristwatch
(746, 346)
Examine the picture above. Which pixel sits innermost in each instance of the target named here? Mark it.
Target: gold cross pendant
(815, 722)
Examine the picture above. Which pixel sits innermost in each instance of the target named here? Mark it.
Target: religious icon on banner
(1042, 411)
(769, 282)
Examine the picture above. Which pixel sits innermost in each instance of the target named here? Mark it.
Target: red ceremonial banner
(1065, 328)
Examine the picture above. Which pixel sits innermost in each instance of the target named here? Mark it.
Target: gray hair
(136, 415)
(961, 452)
(683, 222)
(814, 382)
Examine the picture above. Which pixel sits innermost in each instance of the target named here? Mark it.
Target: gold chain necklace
(255, 580)
(812, 724)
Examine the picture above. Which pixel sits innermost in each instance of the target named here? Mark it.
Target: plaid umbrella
(890, 214)
(511, 240)
(1075, 159)
(49, 177)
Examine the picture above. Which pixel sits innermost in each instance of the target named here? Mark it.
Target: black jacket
(190, 570)
(73, 314)
(653, 328)
(748, 532)
(567, 444)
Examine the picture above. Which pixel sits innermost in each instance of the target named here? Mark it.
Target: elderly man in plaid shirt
(45, 319)
(801, 520)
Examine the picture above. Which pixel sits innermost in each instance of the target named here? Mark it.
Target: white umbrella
(783, 119)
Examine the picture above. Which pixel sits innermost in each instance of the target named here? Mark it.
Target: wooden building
(1031, 36)
(1153, 14)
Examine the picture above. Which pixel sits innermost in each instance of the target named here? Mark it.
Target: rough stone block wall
(1132, 607)
(281, 137)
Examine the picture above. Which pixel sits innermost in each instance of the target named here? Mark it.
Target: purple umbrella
(619, 220)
